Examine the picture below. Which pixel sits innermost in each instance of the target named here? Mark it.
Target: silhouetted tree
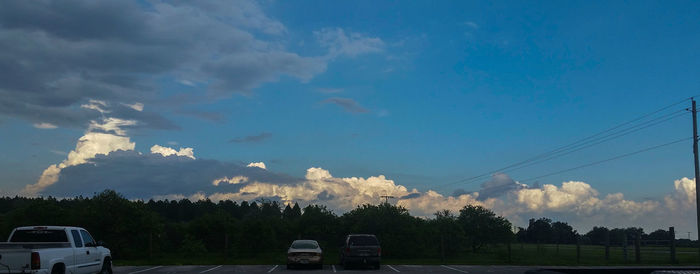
(481, 226)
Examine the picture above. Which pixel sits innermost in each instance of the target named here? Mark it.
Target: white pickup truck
(53, 250)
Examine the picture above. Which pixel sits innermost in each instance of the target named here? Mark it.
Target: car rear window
(304, 245)
(39, 236)
(363, 240)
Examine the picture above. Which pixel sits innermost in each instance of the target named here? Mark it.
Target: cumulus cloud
(231, 181)
(577, 195)
(103, 154)
(258, 165)
(89, 145)
(683, 197)
(166, 151)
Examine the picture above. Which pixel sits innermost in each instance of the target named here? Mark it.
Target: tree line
(139, 229)
(545, 231)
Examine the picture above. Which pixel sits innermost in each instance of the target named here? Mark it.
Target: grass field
(521, 254)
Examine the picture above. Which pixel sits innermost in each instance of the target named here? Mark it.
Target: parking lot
(212, 269)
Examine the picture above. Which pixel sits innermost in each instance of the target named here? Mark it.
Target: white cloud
(45, 126)
(231, 181)
(579, 202)
(166, 151)
(88, 146)
(258, 165)
(321, 186)
(135, 106)
(430, 202)
(96, 105)
(114, 125)
(353, 44)
(683, 198)
(550, 197)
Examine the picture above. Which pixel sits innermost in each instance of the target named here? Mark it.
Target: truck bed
(8, 246)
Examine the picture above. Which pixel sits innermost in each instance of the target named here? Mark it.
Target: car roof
(307, 241)
(47, 227)
(371, 235)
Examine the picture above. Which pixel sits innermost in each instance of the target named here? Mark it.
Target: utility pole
(697, 167)
(386, 200)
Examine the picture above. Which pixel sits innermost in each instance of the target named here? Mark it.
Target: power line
(597, 141)
(609, 159)
(584, 142)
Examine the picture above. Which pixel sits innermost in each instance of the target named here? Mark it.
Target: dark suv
(361, 249)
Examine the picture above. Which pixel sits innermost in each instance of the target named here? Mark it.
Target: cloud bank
(105, 158)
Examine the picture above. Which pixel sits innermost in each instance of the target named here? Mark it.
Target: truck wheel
(58, 269)
(106, 267)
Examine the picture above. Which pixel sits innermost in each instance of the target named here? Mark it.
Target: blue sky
(424, 93)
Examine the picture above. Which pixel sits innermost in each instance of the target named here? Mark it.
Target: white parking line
(392, 268)
(146, 269)
(273, 269)
(205, 271)
(452, 268)
(333, 266)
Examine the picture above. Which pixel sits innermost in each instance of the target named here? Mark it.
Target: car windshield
(363, 241)
(304, 245)
(39, 236)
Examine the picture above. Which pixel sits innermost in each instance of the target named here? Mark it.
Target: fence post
(624, 246)
(578, 250)
(607, 245)
(672, 233)
(637, 243)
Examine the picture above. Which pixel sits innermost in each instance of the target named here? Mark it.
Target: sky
(339, 103)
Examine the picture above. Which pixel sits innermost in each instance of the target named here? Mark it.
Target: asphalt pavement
(218, 269)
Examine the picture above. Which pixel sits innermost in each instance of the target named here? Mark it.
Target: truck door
(80, 256)
(94, 257)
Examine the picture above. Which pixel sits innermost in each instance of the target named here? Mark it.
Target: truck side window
(87, 237)
(76, 238)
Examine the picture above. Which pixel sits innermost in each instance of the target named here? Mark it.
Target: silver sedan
(304, 252)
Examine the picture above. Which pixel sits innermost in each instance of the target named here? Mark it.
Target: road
(393, 269)
(218, 269)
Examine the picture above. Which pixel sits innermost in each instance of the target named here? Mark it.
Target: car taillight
(36, 261)
(347, 250)
(379, 251)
